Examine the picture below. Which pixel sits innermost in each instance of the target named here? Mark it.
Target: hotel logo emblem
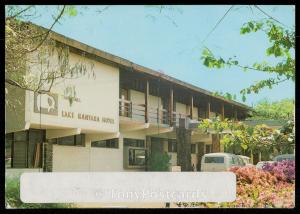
(46, 103)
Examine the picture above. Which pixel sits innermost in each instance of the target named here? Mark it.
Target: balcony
(137, 113)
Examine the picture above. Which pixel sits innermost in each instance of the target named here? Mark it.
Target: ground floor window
(193, 148)
(207, 148)
(8, 149)
(73, 140)
(134, 142)
(109, 143)
(134, 157)
(172, 145)
(23, 149)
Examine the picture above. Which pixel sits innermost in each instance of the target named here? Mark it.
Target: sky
(171, 41)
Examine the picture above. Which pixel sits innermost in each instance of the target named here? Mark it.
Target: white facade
(94, 113)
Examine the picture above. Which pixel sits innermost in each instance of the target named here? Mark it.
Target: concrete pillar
(183, 137)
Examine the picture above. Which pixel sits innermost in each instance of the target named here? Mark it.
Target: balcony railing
(138, 111)
(155, 115)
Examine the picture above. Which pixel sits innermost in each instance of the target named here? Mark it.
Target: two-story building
(117, 119)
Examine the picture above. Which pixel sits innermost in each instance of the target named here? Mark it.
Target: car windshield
(214, 159)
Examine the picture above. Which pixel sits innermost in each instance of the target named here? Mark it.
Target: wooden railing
(155, 115)
(138, 111)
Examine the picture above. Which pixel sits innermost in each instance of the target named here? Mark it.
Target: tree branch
(49, 30)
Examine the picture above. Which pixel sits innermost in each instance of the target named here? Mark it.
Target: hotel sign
(48, 104)
(89, 117)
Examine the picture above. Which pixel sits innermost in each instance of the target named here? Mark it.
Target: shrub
(283, 170)
(12, 197)
(159, 162)
(256, 189)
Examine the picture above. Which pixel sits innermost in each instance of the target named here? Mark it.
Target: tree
(277, 110)
(240, 138)
(29, 47)
(282, 47)
(159, 162)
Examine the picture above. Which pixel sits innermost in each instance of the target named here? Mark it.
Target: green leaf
(244, 98)
(244, 146)
(73, 11)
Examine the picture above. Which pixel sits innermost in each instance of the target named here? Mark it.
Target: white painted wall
(72, 158)
(98, 97)
(137, 111)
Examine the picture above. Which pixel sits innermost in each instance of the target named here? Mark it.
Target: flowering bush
(258, 189)
(283, 170)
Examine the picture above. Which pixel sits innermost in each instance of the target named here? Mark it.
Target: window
(74, 140)
(214, 159)
(137, 157)
(134, 157)
(207, 148)
(172, 145)
(193, 148)
(8, 150)
(134, 142)
(109, 143)
(23, 150)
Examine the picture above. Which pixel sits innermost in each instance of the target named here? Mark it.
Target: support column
(200, 153)
(208, 109)
(147, 102)
(191, 106)
(222, 111)
(235, 114)
(171, 106)
(148, 152)
(183, 140)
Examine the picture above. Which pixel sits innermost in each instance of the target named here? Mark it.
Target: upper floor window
(109, 143)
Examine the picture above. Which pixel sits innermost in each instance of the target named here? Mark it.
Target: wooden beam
(147, 102)
(222, 111)
(191, 106)
(235, 114)
(171, 103)
(208, 109)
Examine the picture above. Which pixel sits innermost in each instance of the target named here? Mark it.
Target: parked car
(284, 157)
(216, 162)
(246, 160)
(260, 164)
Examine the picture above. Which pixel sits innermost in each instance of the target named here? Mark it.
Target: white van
(216, 162)
(246, 160)
(284, 157)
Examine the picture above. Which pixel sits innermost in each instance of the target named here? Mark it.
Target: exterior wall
(181, 108)
(138, 97)
(72, 158)
(94, 100)
(195, 113)
(137, 111)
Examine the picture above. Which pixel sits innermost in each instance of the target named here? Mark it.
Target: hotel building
(117, 120)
